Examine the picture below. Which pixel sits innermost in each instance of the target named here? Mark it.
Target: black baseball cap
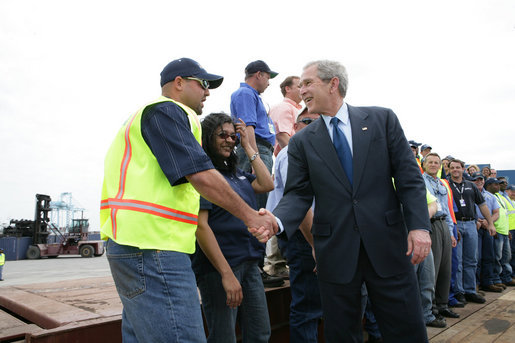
(186, 67)
(254, 67)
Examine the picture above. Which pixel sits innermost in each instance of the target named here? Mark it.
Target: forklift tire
(86, 251)
(33, 253)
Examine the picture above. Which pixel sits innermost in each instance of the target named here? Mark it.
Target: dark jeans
(221, 319)
(305, 308)
(487, 258)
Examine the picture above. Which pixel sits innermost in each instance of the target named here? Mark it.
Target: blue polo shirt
(247, 105)
(235, 241)
(490, 201)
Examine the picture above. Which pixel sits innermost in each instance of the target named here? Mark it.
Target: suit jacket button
(356, 228)
(355, 202)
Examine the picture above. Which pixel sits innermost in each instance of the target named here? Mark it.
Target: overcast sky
(71, 72)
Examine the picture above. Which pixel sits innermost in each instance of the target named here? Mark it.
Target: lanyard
(459, 191)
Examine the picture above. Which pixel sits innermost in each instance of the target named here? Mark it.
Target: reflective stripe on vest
(450, 200)
(146, 207)
(153, 206)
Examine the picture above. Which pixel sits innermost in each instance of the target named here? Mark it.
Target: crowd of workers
(187, 204)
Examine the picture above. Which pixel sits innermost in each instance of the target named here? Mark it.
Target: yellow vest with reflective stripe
(2, 259)
(139, 207)
(501, 224)
(511, 213)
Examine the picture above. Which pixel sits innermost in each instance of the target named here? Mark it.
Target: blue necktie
(342, 149)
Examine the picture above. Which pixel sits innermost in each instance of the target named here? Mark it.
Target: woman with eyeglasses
(226, 265)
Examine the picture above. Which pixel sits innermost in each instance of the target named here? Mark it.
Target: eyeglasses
(306, 121)
(225, 135)
(203, 83)
(503, 182)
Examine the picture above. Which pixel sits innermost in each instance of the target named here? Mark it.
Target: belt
(465, 219)
(264, 142)
(441, 218)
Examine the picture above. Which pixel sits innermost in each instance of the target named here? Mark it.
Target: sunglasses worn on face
(225, 135)
(306, 121)
(203, 83)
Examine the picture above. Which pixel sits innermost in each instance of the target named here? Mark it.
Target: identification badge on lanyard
(462, 202)
(438, 206)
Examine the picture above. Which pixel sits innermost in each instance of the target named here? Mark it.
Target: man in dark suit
(365, 228)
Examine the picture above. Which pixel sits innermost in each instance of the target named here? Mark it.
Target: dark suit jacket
(370, 210)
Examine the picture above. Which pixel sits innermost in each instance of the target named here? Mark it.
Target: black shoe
(475, 298)
(492, 288)
(437, 323)
(1, 279)
(449, 313)
(460, 297)
(271, 281)
(458, 304)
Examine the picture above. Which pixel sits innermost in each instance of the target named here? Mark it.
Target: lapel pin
(364, 128)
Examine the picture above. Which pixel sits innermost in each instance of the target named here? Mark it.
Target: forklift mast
(41, 219)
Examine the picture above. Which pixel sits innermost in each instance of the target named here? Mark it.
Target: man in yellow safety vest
(153, 174)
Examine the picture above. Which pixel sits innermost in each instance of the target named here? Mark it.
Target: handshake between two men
(264, 226)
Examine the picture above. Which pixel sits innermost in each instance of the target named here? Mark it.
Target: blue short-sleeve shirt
(247, 105)
(165, 127)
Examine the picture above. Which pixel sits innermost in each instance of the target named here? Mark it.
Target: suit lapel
(360, 142)
(323, 147)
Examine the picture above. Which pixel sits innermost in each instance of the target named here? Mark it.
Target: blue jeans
(467, 258)
(266, 154)
(425, 271)
(371, 326)
(158, 293)
(502, 267)
(454, 269)
(305, 307)
(221, 319)
(487, 259)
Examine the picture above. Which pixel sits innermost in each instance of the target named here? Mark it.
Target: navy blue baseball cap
(491, 180)
(254, 67)
(414, 144)
(476, 176)
(186, 67)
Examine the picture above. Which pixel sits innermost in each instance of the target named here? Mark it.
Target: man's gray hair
(329, 69)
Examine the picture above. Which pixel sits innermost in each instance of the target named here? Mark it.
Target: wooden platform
(89, 310)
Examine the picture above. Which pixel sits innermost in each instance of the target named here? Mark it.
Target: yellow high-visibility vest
(501, 224)
(139, 207)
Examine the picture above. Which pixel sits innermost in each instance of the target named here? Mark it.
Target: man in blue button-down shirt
(441, 236)
(247, 105)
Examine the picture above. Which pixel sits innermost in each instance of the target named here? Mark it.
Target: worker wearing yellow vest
(2, 262)
(502, 267)
(510, 191)
(442, 237)
(153, 174)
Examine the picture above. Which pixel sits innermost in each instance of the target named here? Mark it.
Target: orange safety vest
(450, 199)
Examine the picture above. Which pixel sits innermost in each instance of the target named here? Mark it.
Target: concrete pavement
(24, 272)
